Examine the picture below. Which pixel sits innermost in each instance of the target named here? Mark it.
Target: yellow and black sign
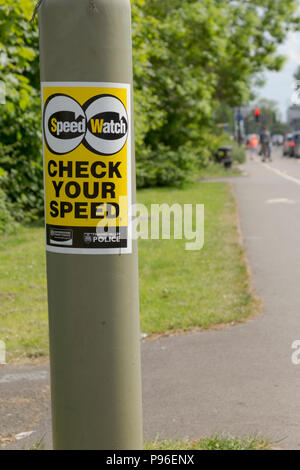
(87, 157)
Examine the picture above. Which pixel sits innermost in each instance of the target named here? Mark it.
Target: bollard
(92, 264)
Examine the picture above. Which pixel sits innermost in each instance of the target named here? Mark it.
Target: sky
(279, 85)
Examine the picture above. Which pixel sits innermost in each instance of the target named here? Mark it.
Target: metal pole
(86, 71)
(239, 127)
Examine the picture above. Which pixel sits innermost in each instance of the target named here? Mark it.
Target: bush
(216, 141)
(238, 153)
(7, 223)
(20, 117)
(166, 167)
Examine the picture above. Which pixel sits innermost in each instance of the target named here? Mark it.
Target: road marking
(8, 378)
(282, 174)
(280, 201)
(23, 435)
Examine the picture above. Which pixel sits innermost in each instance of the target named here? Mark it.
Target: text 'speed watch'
(87, 165)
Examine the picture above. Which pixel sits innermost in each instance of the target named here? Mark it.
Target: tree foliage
(7, 223)
(20, 128)
(190, 57)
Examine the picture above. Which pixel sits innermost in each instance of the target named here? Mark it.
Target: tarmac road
(240, 380)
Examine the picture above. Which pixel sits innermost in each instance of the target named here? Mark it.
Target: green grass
(216, 170)
(209, 443)
(212, 443)
(180, 290)
(23, 294)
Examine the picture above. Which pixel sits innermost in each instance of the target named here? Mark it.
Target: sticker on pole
(87, 167)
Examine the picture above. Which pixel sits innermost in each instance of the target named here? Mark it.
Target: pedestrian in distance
(265, 142)
(253, 146)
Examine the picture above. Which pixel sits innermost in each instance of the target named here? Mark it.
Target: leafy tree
(7, 223)
(254, 30)
(196, 55)
(20, 129)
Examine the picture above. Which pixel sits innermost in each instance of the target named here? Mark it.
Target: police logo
(87, 238)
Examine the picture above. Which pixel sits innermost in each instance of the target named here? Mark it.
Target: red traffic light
(257, 112)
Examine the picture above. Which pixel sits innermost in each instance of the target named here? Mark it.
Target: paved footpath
(240, 380)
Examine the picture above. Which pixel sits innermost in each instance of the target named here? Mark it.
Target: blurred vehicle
(277, 139)
(295, 145)
(288, 144)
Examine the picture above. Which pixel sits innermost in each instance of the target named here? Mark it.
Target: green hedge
(20, 117)
(238, 153)
(7, 222)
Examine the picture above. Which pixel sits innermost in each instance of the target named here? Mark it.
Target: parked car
(295, 148)
(277, 139)
(288, 144)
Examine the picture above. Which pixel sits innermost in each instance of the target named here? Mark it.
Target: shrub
(238, 153)
(20, 126)
(7, 223)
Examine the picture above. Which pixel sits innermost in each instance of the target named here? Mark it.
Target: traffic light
(257, 114)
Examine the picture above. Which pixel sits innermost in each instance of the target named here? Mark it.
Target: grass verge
(216, 170)
(212, 443)
(180, 290)
(209, 443)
